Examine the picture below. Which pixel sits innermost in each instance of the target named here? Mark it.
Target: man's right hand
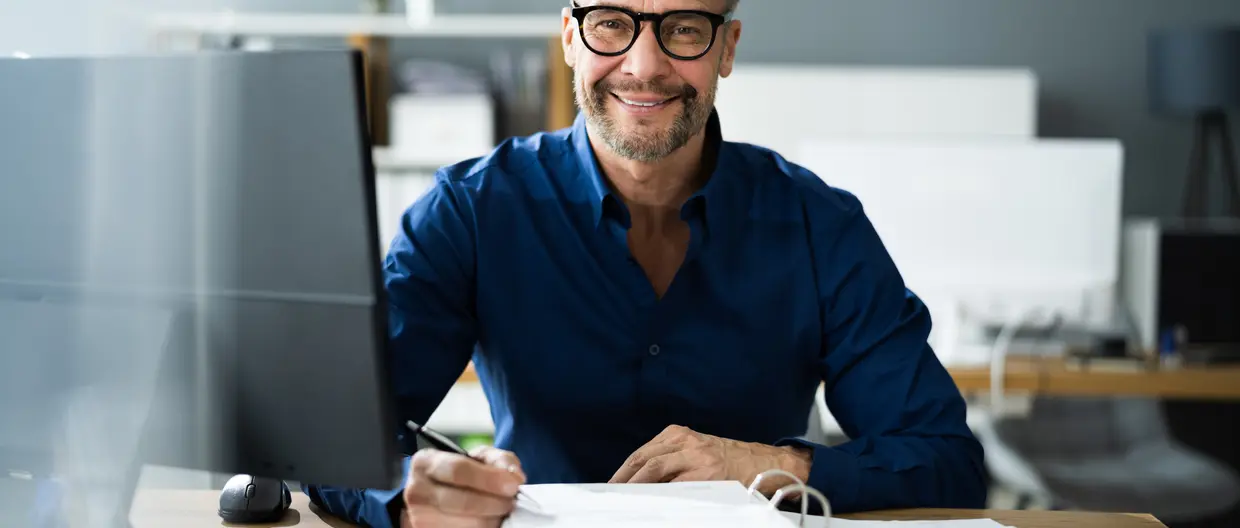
(447, 490)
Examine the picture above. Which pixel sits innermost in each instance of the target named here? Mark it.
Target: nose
(645, 60)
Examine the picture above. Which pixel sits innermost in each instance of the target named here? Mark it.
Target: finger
(421, 516)
(664, 468)
(425, 491)
(674, 432)
(468, 503)
(641, 457)
(671, 439)
(506, 460)
(464, 472)
(694, 475)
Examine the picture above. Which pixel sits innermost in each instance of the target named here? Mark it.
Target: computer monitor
(190, 270)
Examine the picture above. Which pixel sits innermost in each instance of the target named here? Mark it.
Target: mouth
(644, 105)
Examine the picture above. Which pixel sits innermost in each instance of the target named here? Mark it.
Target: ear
(568, 35)
(731, 37)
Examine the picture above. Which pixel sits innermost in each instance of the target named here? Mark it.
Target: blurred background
(1082, 248)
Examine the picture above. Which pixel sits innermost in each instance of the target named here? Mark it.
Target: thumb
(506, 460)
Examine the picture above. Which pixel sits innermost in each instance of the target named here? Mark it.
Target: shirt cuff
(365, 507)
(832, 473)
(376, 508)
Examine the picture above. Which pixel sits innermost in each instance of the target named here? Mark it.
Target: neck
(655, 191)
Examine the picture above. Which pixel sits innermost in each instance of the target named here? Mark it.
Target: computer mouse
(247, 499)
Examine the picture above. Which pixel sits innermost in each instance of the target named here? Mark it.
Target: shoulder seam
(494, 163)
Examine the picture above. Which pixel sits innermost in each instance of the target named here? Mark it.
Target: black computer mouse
(247, 499)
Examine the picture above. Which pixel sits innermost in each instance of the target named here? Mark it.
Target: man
(645, 302)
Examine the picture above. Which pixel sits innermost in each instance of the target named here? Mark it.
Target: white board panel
(999, 225)
(776, 105)
(394, 193)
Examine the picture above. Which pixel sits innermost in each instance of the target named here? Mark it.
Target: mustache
(684, 91)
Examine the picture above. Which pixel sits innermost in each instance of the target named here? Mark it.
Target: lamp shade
(1194, 70)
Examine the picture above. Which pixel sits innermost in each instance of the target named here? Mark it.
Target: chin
(644, 132)
(646, 124)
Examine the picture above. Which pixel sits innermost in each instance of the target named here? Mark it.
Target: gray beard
(649, 147)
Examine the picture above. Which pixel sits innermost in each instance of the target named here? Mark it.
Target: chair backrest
(1077, 427)
(1140, 421)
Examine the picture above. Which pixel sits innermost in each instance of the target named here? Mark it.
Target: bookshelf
(343, 25)
(372, 33)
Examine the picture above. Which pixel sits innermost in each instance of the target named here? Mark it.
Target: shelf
(343, 25)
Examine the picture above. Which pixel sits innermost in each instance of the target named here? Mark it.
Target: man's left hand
(681, 454)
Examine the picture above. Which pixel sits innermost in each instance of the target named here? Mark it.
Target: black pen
(443, 443)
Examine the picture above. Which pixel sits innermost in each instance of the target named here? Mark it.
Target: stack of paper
(575, 507)
(679, 505)
(819, 522)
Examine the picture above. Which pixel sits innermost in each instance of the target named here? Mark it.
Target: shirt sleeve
(910, 446)
(428, 278)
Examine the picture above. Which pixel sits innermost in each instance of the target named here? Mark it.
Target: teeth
(636, 103)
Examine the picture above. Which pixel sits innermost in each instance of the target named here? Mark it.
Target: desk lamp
(1195, 72)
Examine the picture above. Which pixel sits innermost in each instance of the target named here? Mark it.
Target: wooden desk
(1050, 376)
(1022, 518)
(196, 509)
(469, 376)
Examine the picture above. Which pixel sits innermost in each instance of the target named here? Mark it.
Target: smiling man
(646, 302)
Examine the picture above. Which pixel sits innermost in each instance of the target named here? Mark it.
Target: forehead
(658, 6)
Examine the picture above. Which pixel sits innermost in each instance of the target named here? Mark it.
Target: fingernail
(517, 471)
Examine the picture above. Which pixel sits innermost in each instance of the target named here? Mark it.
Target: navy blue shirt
(519, 261)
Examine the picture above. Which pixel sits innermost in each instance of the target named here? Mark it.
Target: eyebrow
(605, 3)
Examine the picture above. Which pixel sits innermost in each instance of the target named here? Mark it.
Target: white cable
(998, 355)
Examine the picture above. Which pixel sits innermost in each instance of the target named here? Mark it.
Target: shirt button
(654, 350)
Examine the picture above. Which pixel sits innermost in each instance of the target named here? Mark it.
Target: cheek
(699, 74)
(593, 69)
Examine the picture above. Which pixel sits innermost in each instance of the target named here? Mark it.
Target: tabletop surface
(197, 508)
(1060, 377)
(1056, 376)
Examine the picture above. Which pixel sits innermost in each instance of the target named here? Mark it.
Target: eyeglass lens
(682, 34)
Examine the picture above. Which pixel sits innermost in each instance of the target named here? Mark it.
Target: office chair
(1108, 454)
(1097, 454)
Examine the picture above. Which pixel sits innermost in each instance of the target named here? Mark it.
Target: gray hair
(731, 6)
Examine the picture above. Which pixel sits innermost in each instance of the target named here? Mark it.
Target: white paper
(729, 492)
(565, 506)
(679, 504)
(819, 522)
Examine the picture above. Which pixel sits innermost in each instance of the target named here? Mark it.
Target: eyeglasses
(682, 34)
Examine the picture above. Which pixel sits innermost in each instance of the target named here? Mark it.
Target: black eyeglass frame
(656, 22)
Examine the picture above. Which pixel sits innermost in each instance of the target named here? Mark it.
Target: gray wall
(1089, 56)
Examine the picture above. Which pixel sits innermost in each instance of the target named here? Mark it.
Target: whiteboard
(776, 105)
(1003, 225)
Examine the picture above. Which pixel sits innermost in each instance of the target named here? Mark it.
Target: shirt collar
(710, 197)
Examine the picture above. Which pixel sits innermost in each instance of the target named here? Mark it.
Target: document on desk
(681, 504)
(817, 522)
(567, 506)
